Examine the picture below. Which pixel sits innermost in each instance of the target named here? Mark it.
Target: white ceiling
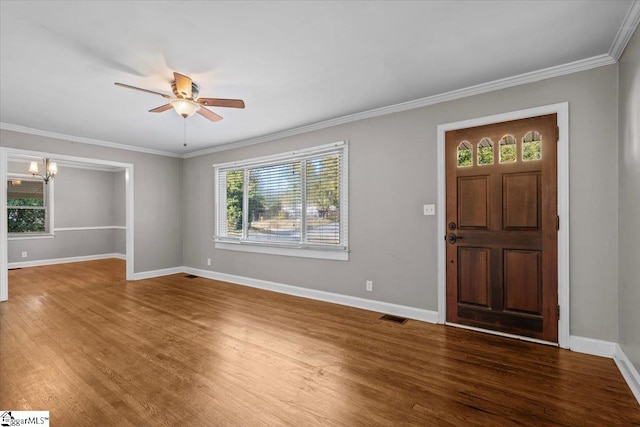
(293, 63)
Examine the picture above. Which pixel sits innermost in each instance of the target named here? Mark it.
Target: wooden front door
(502, 269)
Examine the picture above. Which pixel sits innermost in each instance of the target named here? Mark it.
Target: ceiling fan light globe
(185, 107)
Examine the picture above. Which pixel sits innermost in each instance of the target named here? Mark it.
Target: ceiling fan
(186, 101)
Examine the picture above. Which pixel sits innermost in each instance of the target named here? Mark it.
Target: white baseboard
(628, 371)
(158, 273)
(37, 263)
(613, 351)
(576, 343)
(366, 304)
(592, 346)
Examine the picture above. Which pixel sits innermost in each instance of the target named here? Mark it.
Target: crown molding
(626, 30)
(54, 135)
(534, 76)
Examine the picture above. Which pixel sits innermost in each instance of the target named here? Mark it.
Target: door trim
(562, 110)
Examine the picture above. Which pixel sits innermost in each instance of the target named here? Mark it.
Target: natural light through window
(29, 210)
(292, 204)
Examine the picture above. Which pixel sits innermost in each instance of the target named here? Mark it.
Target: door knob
(452, 238)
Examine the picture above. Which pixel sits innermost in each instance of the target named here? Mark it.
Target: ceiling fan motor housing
(186, 101)
(195, 90)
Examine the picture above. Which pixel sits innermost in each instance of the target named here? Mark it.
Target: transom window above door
(507, 150)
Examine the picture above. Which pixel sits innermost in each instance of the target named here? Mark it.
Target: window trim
(299, 249)
(48, 209)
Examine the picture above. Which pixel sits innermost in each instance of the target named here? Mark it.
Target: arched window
(485, 151)
(465, 154)
(532, 146)
(507, 149)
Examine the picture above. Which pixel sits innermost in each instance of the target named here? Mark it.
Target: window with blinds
(28, 206)
(295, 200)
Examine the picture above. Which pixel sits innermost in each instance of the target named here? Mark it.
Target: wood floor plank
(93, 349)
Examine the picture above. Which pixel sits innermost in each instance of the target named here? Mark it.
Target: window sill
(293, 252)
(31, 236)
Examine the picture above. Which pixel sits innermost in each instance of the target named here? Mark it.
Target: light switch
(430, 209)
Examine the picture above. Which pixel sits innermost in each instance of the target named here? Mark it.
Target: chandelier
(50, 170)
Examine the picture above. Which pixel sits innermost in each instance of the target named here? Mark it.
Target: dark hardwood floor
(94, 350)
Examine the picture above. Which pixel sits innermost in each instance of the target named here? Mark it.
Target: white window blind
(296, 200)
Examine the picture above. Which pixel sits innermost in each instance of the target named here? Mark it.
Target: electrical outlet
(429, 209)
(208, 261)
(24, 254)
(369, 285)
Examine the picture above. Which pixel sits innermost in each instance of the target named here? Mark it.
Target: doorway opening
(124, 174)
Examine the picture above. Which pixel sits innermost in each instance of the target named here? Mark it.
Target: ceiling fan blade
(161, 108)
(183, 85)
(143, 90)
(209, 114)
(221, 102)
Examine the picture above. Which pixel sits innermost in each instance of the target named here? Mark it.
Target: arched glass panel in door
(532, 146)
(485, 151)
(465, 154)
(507, 149)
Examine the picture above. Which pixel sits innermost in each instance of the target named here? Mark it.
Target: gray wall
(392, 173)
(65, 244)
(157, 192)
(82, 198)
(629, 200)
